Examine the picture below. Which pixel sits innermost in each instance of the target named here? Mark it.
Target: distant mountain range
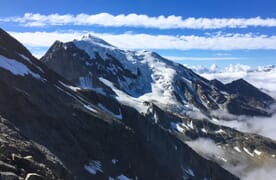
(88, 110)
(263, 77)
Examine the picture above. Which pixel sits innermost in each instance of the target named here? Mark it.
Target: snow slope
(157, 79)
(16, 67)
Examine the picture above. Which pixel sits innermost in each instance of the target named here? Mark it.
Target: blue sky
(196, 32)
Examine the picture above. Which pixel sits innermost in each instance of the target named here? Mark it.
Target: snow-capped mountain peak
(93, 45)
(142, 74)
(95, 40)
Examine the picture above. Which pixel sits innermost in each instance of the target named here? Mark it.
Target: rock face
(57, 125)
(50, 129)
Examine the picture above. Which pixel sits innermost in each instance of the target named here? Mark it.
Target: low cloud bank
(265, 126)
(265, 173)
(243, 167)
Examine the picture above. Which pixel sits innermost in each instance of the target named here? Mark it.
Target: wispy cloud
(138, 20)
(222, 54)
(183, 58)
(147, 41)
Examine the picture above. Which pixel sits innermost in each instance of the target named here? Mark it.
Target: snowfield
(16, 67)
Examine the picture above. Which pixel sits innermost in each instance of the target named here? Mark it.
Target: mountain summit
(95, 40)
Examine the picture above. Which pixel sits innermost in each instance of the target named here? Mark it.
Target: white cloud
(213, 68)
(147, 41)
(264, 126)
(266, 172)
(232, 68)
(139, 20)
(206, 147)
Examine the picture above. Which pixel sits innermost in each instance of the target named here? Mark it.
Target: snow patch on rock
(93, 167)
(16, 67)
